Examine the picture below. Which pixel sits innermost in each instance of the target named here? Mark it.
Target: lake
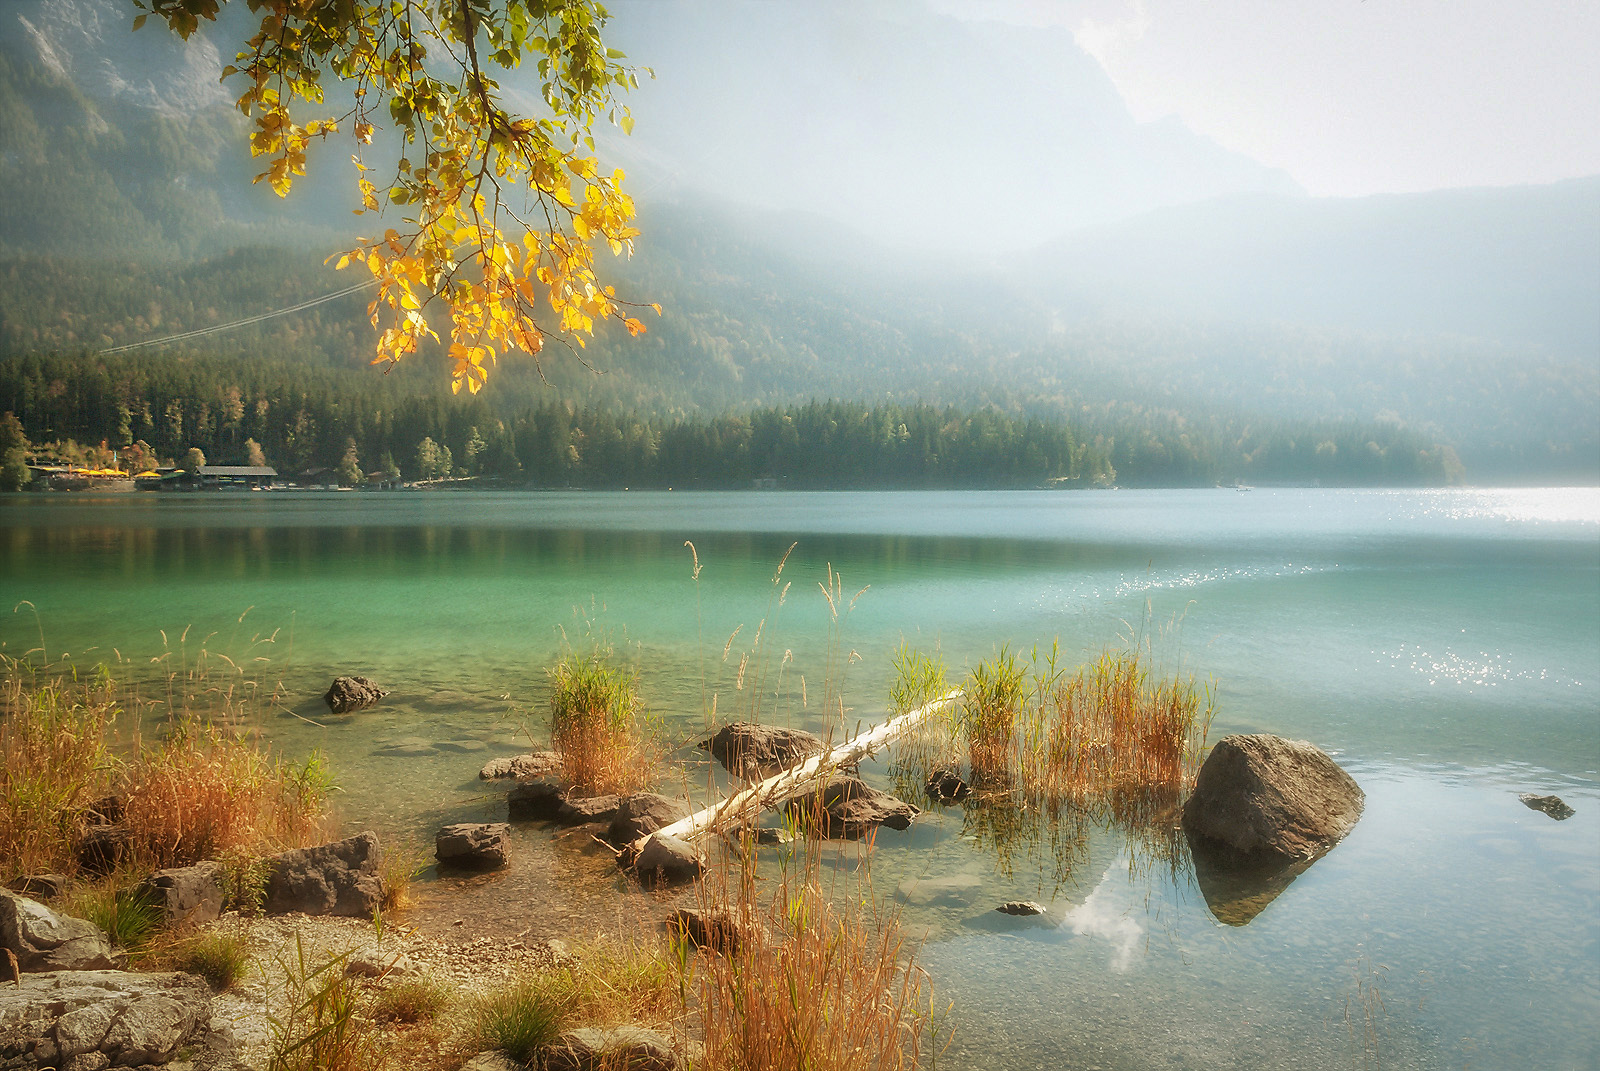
(1444, 646)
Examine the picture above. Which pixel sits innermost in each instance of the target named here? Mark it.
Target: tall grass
(56, 762)
(988, 717)
(319, 1028)
(817, 980)
(597, 726)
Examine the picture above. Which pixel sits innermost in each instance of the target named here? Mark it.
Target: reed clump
(597, 726)
(57, 762)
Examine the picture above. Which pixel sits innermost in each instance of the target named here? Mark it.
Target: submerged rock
(522, 767)
(1554, 806)
(480, 846)
(1262, 795)
(753, 751)
(946, 786)
(1020, 907)
(644, 812)
(848, 807)
(43, 940)
(352, 693)
(331, 879)
(87, 1020)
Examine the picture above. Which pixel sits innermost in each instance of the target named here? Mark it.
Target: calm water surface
(1445, 646)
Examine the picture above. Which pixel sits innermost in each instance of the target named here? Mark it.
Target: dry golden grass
(597, 727)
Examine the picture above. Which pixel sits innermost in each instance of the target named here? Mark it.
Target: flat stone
(621, 1048)
(352, 693)
(379, 963)
(44, 940)
(340, 878)
(581, 810)
(480, 846)
(1554, 806)
(522, 767)
(1264, 795)
(84, 1020)
(1020, 907)
(538, 800)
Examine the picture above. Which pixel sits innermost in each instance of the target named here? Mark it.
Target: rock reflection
(1238, 887)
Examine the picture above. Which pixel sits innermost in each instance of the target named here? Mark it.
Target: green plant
(595, 726)
(129, 918)
(399, 865)
(412, 1001)
(318, 1029)
(526, 1016)
(988, 716)
(220, 957)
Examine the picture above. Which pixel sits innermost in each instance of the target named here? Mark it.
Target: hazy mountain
(1519, 265)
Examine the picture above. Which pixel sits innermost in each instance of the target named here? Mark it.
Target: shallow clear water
(1445, 646)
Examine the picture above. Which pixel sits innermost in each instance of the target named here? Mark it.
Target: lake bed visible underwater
(1444, 646)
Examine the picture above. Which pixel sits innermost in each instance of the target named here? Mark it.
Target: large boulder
(644, 813)
(619, 1048)
(352, 693)
(1264, 796)
(89, 1020)
(522, 767)
(477, 846)
(331, 879)
(43, 940)
(190, 895)
(753, 751)
(848, 807)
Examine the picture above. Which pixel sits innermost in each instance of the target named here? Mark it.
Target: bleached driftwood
(745, 805)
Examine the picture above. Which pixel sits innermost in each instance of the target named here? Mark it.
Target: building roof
(237, 470)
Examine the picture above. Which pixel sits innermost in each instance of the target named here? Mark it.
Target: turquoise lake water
(1444, 646)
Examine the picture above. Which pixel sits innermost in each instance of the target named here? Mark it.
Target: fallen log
(746, 804)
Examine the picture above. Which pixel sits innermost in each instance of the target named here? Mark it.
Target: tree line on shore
(81, 409)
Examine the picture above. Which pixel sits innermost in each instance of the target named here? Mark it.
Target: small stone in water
(1021, 907)
(1554, 806)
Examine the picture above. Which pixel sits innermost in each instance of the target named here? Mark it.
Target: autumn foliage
(503, 211)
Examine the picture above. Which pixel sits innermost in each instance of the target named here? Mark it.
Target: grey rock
(495, 1060)
(1554, 806)
(41, 886)
(83, 1020)
(578, 810)
(331, 879)
(848, 807)
(352, 693)
(1020, 907)
(1262, 795)
(668, 859)
(43, 940)
(480, 846)
(522, 767)
(190, 895)
(102, 848)
(644, 813)
(717, 929)
(633, 1048)
(753, 751)
(538, 800)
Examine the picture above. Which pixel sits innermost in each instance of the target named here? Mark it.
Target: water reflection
(1237, 888)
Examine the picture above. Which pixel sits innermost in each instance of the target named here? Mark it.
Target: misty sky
(1355, 97)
